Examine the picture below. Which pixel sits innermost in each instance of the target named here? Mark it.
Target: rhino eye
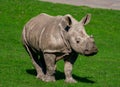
(77, 40)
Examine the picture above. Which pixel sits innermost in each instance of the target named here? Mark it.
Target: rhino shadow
(60, 75)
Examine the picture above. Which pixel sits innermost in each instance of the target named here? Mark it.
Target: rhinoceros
(48, 39)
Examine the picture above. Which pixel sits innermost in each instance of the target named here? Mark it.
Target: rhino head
(77, 37)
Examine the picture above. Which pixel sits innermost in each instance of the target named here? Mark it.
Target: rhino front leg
(50, 67)
(69, 61)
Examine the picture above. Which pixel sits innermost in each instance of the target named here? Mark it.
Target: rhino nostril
(94, 47)
(86, 49)
(96, 50)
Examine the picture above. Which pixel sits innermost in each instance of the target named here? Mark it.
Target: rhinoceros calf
(48, 39)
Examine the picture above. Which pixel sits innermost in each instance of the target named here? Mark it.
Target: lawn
(101, 70)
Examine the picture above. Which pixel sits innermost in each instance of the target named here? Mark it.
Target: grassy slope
(102, 70)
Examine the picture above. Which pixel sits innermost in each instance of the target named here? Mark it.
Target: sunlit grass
(101, 70)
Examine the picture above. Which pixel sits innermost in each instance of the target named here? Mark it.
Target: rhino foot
(48, 79)
(70, 80)
(39, 76)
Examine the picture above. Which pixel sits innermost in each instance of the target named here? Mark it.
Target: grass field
(101, 70)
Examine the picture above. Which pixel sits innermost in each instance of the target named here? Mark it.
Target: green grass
(101, 70)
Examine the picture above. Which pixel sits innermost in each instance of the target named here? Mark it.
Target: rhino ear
(85, 20)
(66, 23)
(68, 19)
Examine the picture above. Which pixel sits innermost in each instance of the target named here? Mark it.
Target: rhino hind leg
(50, 67)
(36, 62)
(42, 62)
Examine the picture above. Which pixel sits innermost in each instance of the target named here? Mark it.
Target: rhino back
(43, 33)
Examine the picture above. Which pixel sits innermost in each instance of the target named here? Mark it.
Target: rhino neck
(66, 42)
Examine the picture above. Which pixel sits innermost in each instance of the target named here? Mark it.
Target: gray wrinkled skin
(48, 39)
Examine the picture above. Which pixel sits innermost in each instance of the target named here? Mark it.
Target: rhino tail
(24, 40)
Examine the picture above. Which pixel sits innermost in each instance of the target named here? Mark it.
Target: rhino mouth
(90, 52)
